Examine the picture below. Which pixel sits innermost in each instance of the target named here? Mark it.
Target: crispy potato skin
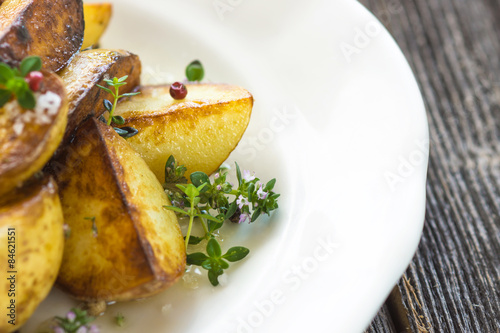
(35, 213)
(97, 16)
(89, 68)
(138, 250)
(200, 131)
(52, 30)
(21, 155)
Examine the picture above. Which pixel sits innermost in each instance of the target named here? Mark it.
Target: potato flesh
(138, 250)
(97, 16)
(35, 213)
(200, 131)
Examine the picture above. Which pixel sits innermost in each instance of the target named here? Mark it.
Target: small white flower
(219, 187)
(216, 175)
(71, 316)
(242, 201)
(94, 329)
(244, 217)
(247, 176)
(261, 194)
(82, 329)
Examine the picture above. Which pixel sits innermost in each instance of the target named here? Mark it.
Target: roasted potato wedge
(28, 138)
(89, 68)
(52, 30)
(123, 245)
(31, 224)
(200, 131)
(97, 16)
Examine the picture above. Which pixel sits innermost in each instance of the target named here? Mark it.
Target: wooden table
(453, 282)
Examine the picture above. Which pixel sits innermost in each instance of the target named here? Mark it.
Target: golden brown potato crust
(52, 30)
(136, 248)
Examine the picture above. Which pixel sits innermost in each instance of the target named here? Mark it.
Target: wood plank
(453, 46)
(382, 323)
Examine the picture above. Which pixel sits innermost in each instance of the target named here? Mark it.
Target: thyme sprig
(116, 83)
(212, 203)
(75, 321)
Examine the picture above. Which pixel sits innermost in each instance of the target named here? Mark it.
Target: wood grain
(453, 282)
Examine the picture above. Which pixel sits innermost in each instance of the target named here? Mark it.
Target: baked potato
(52, 30)
(28, 138)
(124, 245)
(31, 222)
(97, 16)
(200, 131)
(89, 68)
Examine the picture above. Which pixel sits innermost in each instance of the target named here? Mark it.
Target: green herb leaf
(191, 191)
(176, 209)
(251, 189)
(212, 225)
(231, 210)
(236, 253)
(195, 71)
(213, 276)
(120, 131)
(17, 85)
(193, 240)
(106, 89)
(209, 217)
(123, 78)
(238, 174)
(256, 214)
(130, 94)
(223, 264)
(196, 258)
(120, 320)
(30, 64)
(4, 96)
(118, 120)
(270, 185)
(213, 248)
(174, 174)
(26, 99)
(107, 105)
(209, 264)
(169, 166)
(126, 132)
(6, 73)
(198, 178)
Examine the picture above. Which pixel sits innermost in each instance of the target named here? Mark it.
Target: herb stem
(115, 95)
(190, 226)
(203, 223)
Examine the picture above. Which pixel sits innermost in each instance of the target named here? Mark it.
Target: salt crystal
(223, 279)
(47, 103)
(18, 127)
(166, 309)
(191, 277)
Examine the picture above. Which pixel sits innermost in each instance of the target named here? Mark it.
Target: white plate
(340, 122)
